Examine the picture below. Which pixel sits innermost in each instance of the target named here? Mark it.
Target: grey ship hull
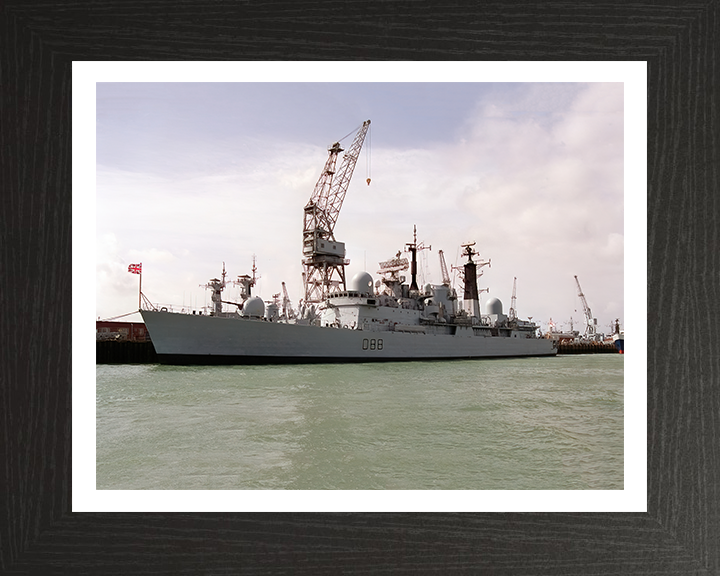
(196, 339)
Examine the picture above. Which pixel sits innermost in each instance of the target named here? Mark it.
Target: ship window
(372, 344)
(365, 343)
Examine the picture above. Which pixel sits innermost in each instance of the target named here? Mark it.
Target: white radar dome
(493, 306)
(362, 282)
(254, 306)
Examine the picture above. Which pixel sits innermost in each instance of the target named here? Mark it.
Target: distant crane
(444, 269)
(286, 305)
(590, 322)
(323, 257)
(512, 313)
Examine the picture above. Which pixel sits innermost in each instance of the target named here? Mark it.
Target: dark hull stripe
(200, 359)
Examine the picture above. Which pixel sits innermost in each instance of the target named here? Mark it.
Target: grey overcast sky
(191, 175)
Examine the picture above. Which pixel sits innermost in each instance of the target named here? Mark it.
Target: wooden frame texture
(681, 530)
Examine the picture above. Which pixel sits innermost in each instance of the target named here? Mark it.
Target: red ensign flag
(135, 268)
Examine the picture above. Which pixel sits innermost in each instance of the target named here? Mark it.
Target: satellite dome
(254, 306)
(493, 306)
(362, 282)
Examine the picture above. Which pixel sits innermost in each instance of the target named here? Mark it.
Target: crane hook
(368, 181)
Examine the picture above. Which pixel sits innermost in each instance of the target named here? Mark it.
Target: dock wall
(124, 352)
(587, 348)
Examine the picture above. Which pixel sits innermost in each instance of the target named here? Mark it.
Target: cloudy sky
(191, 175)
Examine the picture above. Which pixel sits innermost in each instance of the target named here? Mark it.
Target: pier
(124, 352)
(587, 348)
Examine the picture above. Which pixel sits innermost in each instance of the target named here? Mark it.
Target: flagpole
(140, 291)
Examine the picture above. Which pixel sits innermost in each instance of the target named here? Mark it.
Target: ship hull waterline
(185, 339)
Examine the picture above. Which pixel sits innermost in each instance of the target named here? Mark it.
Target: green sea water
(515, 424)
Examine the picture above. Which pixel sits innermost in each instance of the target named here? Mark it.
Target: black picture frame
(680, 532)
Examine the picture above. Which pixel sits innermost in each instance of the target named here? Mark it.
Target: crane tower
(444, 269)
(590, 322)
(512, 314)
(323, 257)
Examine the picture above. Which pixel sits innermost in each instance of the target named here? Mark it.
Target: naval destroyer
(360, 320)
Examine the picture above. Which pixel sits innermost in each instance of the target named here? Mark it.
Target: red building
(123, 331)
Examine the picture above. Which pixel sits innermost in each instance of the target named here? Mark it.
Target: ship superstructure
(370, 321)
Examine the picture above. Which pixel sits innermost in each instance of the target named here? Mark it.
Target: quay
(587, 348)
(124, 352)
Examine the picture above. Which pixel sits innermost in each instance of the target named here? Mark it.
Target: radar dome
(362, 282)
(493, 306)
(254, 306)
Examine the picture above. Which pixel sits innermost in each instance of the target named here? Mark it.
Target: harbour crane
(512, 313)
(324, 257)
(590, 322)
(286, 305)
(444, 269)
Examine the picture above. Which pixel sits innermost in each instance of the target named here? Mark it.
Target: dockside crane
(324, 257)
(286, 304)
(512, 313)
(444, 269)
(590, 322)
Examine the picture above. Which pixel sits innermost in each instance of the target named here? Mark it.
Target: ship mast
(471, 296)
(217, 286)
(413, 247)
(246, 282)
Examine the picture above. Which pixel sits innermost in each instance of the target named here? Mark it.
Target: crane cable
(369, 145)
(353, 131)
(369, 134)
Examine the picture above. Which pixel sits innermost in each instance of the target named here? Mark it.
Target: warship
(360, 320)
